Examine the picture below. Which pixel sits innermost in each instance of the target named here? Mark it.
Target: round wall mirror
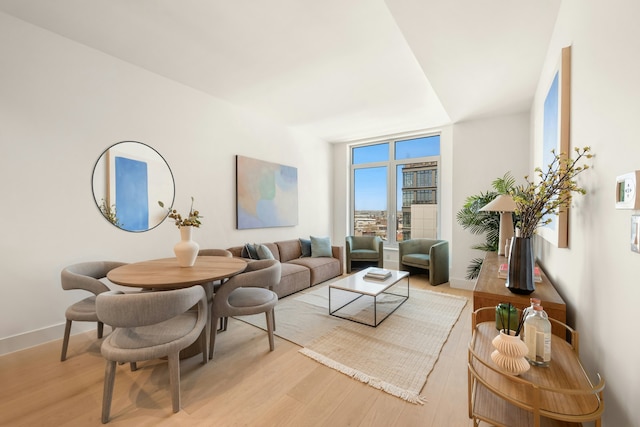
(129, 179)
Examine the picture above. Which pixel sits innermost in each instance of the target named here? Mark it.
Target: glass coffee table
(368, 301)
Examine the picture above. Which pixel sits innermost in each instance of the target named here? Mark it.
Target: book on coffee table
(377, 273)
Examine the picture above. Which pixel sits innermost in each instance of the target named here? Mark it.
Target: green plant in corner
(471, 218)
(192, 220)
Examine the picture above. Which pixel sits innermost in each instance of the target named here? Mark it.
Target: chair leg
(270, 329)
(109, 378)
(100, 329)
(174, 379)
(212, 338)
(274, 319)
(204, 346)
(65, 341)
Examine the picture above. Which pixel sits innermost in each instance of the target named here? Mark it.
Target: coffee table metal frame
(359, 285)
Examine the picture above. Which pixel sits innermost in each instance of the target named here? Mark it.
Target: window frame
(392, 184)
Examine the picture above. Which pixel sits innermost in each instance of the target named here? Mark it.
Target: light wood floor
(244, 385)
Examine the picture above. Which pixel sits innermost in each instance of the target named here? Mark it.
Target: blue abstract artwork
(266, 194)
(132, 200)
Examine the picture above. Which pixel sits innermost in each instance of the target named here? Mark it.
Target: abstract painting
(266, 194)
(555, 135)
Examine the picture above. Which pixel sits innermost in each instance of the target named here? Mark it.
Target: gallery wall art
(266, 194)
(556, 135)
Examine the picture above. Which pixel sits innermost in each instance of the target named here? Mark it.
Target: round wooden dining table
(165, 274)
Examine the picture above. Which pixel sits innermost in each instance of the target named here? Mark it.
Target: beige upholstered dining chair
(150, 325)
(211, 287)
(250, 292)
(85, 276)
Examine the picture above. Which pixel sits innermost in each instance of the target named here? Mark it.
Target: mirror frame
(140, 169)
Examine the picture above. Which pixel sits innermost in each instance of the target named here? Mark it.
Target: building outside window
(392, 182)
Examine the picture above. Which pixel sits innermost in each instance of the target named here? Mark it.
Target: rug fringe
(364, 378)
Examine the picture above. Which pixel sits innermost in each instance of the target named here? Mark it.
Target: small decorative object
(509, 353)
(186, 250)
(506, 315)
(520, 274)
(535, 205)
(537, 331)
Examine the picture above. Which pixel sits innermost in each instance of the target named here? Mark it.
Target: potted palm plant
(486, 223)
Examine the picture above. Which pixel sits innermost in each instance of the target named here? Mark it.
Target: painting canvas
(555, 135)
(266, 194)
(132, 199)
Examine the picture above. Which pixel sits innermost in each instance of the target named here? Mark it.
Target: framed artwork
(266, 194)
(556, 135)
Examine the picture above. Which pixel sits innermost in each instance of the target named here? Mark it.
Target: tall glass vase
(520, 275)
(186, 250)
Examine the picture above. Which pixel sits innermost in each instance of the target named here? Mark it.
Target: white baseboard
(462, 283)
(41, 336)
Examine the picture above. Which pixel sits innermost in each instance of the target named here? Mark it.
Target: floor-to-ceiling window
(394, 187)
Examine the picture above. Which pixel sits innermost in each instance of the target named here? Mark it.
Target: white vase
(186, 250)
(509, 354)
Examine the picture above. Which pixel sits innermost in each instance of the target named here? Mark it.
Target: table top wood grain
(166, 273)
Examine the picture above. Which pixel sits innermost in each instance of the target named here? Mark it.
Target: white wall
(61, 105)
(483, 150)
(598, 274)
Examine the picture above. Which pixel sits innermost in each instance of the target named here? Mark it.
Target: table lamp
(505, 205)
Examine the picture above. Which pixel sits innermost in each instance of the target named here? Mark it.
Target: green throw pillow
(264, 252)
(305, 247)
(250, 251)
(320, 247)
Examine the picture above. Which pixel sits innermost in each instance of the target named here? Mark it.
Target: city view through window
(414, 189)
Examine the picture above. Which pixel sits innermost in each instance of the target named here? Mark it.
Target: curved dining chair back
(85, 276)
(215, 252)
(151, 325)
(250, 292)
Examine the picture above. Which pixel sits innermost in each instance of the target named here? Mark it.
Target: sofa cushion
(320, 247)
(249, 250)
(289, 249)
(293, 278)
(321, 268)
(305, 247)
(264, 252)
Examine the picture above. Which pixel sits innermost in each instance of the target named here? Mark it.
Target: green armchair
(427, 254)
(364, 249)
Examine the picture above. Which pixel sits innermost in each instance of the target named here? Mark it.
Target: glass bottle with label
(537, 336)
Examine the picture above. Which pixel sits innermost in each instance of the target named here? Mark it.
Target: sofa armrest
(338, 253)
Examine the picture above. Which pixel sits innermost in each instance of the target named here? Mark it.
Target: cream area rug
(395, 357)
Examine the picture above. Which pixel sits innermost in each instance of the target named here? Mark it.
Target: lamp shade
(502, 203)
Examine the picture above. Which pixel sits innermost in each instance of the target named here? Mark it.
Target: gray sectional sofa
(299, 272)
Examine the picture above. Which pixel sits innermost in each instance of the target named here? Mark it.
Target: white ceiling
(340, 69)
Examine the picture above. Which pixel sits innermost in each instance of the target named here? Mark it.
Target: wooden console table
(490, 290)
(558, 395)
